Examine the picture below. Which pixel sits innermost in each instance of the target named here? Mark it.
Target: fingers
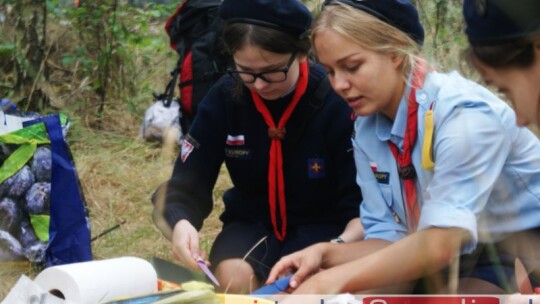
(192, 246)
(283, 267)
(186, 244)
(300, 276)
(288, 265)
(303, 263)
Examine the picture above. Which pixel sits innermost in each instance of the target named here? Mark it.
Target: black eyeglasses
(268, 76)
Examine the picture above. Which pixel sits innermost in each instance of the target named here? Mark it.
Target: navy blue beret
(287, 15)
(500, 21)
(400, 14)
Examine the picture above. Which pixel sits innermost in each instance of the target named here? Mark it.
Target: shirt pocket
(386, 193)
(388, 197)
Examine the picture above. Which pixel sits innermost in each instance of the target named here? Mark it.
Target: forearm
(338, 254)
(193, 209)
(354, 231)
(415, 256)
(189, 196)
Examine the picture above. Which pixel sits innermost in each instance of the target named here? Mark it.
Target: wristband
(337, 240)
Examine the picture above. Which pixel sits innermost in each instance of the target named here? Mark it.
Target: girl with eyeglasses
(284, 137)
(450, 184)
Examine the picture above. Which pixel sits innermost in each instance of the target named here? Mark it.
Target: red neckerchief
(405, 168)
(275, 165)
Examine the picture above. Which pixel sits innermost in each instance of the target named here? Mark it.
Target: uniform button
(423, 96)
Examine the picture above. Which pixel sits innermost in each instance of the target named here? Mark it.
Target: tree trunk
(29, 18)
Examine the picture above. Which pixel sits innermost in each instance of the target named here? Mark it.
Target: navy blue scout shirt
(318, 164)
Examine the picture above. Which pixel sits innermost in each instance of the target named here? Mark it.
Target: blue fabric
(400, 14)
(236, 239)
(322, 133)
(495, 262)
(69, 234)
(276, 287)
(287, 15)
(486, 178)
(500, 21)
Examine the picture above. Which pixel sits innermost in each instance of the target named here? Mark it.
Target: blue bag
(61, 225)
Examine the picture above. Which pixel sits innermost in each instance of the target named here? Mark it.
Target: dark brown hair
(518, 53)
(514, 54)
(237, 35)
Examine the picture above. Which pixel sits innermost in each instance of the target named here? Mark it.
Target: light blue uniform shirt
(486, 178)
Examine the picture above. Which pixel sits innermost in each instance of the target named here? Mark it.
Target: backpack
(194, 32)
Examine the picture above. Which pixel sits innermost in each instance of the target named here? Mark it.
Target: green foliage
(7, 50)
(7, 55)
(116, 47)
(444, 26)
(114, 43)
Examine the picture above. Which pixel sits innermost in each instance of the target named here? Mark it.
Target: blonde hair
(369, 32)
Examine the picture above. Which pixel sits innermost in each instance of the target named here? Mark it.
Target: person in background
(284, 137)
(504, 38)
(446, 175)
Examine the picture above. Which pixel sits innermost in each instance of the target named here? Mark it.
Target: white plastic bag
(162, 123)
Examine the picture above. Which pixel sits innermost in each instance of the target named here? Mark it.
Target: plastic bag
(43, 216)
(162, 122)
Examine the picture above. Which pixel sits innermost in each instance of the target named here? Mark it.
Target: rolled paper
(99, 281)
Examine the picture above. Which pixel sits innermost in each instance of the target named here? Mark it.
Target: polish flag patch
(237, 140)
(187, 148)
(373, 166)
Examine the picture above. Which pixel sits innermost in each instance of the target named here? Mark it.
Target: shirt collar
(394, 131)
(397, 134)
(383, 126)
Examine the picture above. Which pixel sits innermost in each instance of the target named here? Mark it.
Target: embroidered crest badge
(316, 168)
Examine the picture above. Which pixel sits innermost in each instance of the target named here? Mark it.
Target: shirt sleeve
(470, 150)
(189, 190)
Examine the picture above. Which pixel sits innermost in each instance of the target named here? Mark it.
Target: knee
(236, 276)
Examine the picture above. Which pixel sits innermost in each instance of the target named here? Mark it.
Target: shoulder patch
(188, 144)
(192, 140)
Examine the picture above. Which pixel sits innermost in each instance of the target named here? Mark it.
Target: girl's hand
(185, 241)
(303, 264)
(311, 290)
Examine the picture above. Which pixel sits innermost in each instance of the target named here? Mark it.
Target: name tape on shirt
(382, 177)
(238, 153)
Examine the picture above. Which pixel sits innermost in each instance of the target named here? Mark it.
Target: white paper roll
(99, 281)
